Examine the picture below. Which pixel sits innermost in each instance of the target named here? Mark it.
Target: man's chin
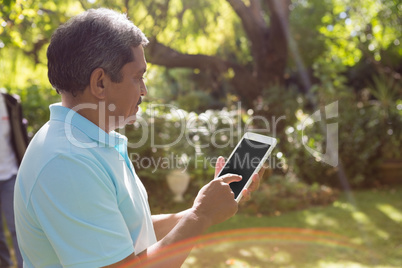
(128, 121)
(131, 120)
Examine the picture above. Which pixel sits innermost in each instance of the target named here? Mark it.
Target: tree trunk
(273, 63)
(268, 47)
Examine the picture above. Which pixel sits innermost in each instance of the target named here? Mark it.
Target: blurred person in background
(13, 143)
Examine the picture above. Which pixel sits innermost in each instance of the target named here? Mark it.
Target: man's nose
(144, 90)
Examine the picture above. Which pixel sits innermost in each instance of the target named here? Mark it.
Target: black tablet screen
(244, 161)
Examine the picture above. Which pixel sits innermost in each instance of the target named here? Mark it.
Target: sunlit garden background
(218, 68)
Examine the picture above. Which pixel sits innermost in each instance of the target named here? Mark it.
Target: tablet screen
(244, 161)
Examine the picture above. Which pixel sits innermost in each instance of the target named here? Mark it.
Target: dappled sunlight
(363, 222)
(367, 225)
(320, 219)
(343, 205)
(347, 264)
(391, 212)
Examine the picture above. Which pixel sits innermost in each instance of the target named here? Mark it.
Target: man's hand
(255, 184)
(215, 201)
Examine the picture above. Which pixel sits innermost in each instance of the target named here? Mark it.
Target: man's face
(122, 99)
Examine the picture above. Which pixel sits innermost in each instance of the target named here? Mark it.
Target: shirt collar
(72, 118)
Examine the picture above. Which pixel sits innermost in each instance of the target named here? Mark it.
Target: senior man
(78, 201)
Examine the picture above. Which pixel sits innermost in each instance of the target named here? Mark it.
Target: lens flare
(265, 238)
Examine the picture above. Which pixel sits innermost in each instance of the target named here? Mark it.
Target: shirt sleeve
(75, 203)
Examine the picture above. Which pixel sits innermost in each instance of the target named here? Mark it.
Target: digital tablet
(247, 159)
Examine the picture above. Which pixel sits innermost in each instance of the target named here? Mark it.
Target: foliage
(176, 139)
(281, 194)
(305, 19)
(28, 25)
(179, 87)
(166, 138)
(356, 28)
(344, 30)
(335, 45)
(333, 29)
(387, 92)
(357, 147)
(369, 131)
(37, 99)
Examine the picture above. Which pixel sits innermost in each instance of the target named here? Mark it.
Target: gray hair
(97, 38)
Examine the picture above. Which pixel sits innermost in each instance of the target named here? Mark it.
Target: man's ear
(98, 82)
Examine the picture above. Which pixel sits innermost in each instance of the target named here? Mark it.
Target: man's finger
(228, 178)
(262, 170)
(220, 163)
(246, 196)
(255, 184)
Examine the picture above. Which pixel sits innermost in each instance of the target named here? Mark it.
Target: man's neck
(88, 107)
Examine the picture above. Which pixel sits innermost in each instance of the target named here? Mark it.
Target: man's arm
(213, 204)
(164, 223)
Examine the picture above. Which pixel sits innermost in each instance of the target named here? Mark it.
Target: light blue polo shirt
(78, 201)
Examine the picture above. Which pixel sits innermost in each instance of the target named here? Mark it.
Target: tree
(264, 53)
(265, 23)
(240, 47)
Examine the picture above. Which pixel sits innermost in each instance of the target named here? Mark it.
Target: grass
(359, 230)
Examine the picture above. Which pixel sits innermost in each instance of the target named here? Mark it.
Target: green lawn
(359, 230)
